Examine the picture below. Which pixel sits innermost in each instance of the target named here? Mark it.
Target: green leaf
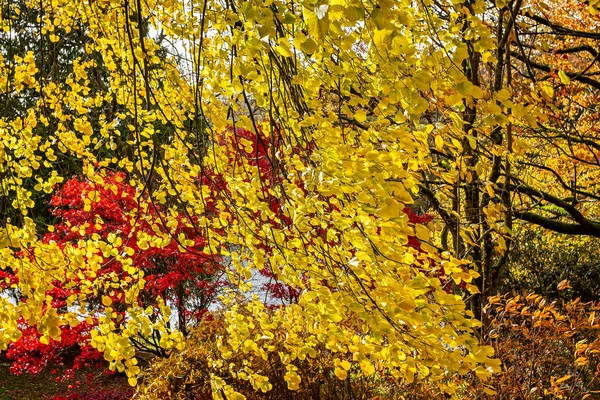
(289, 19)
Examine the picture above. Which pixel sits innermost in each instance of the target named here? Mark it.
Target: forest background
(290, 200)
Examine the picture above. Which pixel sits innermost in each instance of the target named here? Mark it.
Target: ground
(45, 385)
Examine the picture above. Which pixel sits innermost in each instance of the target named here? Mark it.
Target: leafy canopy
(333, 95)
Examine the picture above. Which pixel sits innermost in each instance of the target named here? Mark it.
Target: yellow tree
(561, 148)
(344, 96)
(515, 136)
(554, 175)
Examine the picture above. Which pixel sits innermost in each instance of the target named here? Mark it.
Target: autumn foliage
(185, 279)
(327, 192)
(29, 355)
(326, 375)
(548, 349)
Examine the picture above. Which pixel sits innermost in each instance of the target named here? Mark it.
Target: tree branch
(572, 75)
(559, 29)
(578, 49)
(560, 227)
(568, 207)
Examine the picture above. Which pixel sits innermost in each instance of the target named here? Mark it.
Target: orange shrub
(548, 350)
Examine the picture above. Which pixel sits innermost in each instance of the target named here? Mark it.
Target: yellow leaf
(360, 116)
(367, 367)
(545, 46)
(419, 105)
(317, 22)
(473, 289)
(340, 373)
(293, 380)
(461, 53)
(391, 209)
(422, 232)
(439, 143)
(106, 300)
(284, 47)
(345, 364)
(54, 332)
(407, 304)
(472, 142)
(547, 90)
(422, 79)
(139, 53)
(488, 390)
(309, 46)
(564, 78)
(464, 88)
